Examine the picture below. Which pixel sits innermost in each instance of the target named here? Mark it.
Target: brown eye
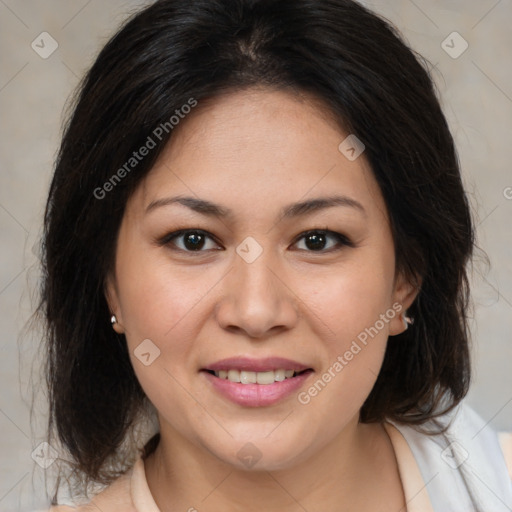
(315, 241)
(323, 241)
(191, 240)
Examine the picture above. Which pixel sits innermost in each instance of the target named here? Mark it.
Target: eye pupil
(194, 240)
(315, 241)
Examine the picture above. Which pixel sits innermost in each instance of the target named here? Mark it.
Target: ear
(112, 297)
(404, 294)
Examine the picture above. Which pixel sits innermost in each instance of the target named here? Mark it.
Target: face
(263, 278)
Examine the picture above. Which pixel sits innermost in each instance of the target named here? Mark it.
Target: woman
(257, 232)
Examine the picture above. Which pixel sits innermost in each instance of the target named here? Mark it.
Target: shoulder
(464, 464)
(115, 497)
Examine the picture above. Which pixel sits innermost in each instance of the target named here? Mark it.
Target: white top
(461, 471)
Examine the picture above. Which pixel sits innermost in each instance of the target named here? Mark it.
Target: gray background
(476, 91)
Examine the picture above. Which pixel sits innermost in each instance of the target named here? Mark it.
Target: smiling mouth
(264, 378)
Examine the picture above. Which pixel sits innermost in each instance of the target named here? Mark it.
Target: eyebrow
(287, 212)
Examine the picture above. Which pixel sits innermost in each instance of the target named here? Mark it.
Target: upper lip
(257, 365)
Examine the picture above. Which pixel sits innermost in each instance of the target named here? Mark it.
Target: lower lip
(257, 395)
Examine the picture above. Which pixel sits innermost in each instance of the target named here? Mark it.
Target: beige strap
(140, 492)
(415, 490)
(505, 439)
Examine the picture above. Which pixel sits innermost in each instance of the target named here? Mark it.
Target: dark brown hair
(174, 50)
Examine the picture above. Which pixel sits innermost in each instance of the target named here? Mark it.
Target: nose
(256, 299)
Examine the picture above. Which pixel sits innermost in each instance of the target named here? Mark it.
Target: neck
(355, 471)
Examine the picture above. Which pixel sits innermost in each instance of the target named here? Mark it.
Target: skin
(254, 152)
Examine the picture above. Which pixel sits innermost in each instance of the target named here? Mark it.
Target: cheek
(159, 302)
(156, 296)
(351, 300)
(159, 305)
(353, 312)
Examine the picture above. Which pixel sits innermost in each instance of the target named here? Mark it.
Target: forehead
(256, 117)
(256, 147)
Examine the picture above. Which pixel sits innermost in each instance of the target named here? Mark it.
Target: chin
(263, 454)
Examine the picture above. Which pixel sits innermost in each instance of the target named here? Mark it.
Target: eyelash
(341, 239)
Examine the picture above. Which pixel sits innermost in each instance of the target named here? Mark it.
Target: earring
(113, 319)
(407, 320)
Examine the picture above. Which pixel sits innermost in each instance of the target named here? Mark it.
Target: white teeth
(265, 377)
(279, 375)
(233, 375)
(246, 377)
